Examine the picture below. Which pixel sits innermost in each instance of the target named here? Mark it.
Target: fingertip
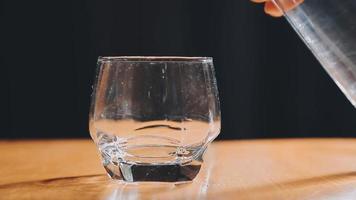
(258, 1)
(272, 9)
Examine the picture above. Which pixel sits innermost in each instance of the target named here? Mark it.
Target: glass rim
(155, 59)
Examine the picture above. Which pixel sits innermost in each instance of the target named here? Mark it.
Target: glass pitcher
(328, 27)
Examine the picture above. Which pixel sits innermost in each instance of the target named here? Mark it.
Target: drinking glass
(153, 117)
(328, 28)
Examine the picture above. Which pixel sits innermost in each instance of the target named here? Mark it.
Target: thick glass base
(153, 172)
(149, 158)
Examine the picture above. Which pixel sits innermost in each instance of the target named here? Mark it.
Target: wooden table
(288, 169)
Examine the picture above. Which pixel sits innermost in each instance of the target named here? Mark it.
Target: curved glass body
(153, 117)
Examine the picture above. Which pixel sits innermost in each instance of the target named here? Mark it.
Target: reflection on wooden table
(248, 169)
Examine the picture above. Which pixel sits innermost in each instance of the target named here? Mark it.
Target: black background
(270, 84)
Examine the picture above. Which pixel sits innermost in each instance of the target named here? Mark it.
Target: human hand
(273, 10)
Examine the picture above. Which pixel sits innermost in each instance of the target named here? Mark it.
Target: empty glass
(328, 27)
(153, 117)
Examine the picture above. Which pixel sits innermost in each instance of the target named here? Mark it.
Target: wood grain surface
(290, 169)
